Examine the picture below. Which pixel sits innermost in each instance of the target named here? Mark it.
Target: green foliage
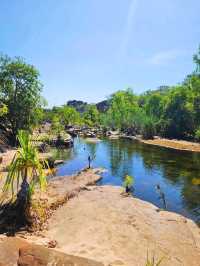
(3, 110)
(172, 112)
(197, 135)
(61, 117)
(126, 113)
(154, 104)
(56, 125)
(196, 59)
(69, 115)
(20, 90)
(91, 115)
(148, 127)
(123, 108)
(25, 165)
(178, 112)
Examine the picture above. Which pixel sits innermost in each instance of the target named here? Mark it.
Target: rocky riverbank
(58, 192)
(93, 225)
(104, 224)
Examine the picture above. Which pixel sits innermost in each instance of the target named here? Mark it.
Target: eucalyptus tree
(123, 109)
(91, 115)
(20, 91)
(69, 115)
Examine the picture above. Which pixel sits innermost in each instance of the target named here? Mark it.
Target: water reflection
(176, 172)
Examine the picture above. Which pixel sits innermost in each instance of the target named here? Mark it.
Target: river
(176, 172)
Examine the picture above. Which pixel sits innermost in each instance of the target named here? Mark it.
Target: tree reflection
(181, 169)
(120, 156)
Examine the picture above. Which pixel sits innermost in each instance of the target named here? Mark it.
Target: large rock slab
(62, 188)
(59, 191)
(103, 224)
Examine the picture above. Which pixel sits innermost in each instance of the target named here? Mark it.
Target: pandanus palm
(152, 262)
(25, 168)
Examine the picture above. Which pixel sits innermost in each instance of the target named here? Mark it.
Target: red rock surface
(16, 251)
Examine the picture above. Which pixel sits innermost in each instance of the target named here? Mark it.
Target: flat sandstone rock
(104, 225)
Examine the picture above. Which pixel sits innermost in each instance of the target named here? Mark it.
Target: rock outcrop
(105, 225)
(59, 191)
(35, 255)
(81, 106)
(15, 251)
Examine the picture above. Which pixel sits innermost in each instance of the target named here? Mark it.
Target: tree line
(172, 112)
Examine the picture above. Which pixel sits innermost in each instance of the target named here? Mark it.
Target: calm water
(177, 172)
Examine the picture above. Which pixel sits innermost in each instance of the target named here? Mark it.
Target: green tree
(56, 125)
(123, 109)
(196, 59)
(69, 115)
(154, 105)
(91, 115)
(178, 119)
(20, 90)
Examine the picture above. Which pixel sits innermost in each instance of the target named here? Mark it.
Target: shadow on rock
(13, 216)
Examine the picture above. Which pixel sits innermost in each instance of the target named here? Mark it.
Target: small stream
(176, 172)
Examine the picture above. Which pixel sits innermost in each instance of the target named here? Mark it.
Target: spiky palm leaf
(25, 166)
(152, 261)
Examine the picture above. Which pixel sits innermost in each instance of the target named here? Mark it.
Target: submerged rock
(44, 148)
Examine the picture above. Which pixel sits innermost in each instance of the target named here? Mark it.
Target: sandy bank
(174, 144)
(102, 224)
(92, 140)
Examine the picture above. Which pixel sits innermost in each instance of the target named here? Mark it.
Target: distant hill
(80, 106)
(103, 106)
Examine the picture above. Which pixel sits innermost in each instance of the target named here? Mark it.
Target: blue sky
(87, 49)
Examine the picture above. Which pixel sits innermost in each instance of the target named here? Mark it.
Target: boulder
(44, 147)
(58, 162)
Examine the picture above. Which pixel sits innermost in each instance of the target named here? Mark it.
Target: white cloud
(128, 27)
(165, 57)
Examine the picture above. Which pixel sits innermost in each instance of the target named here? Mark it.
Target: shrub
(148, 129)
(197, 135)
(128, 183)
